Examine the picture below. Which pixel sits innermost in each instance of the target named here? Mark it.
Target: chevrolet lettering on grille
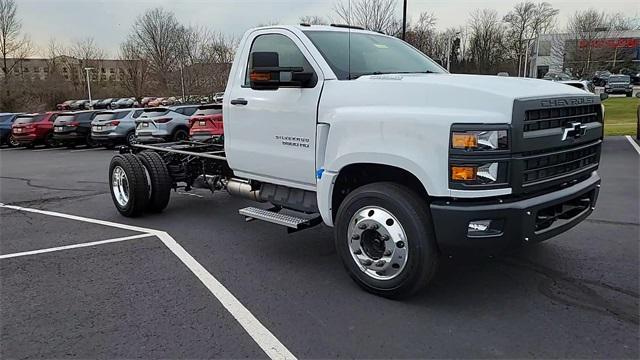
(575, 130)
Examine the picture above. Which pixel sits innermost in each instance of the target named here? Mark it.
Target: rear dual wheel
(139, 183)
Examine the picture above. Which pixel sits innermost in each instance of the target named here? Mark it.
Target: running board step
(293, 223)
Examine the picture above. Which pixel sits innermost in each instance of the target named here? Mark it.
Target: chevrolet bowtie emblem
(575, 130)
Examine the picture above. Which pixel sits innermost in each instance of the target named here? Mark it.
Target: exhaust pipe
(242, 188)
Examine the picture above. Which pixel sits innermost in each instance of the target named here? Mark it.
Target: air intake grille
(540, 119)
(553, 165)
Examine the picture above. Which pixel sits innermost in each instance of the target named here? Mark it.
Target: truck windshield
(619, 79)
(370, 54)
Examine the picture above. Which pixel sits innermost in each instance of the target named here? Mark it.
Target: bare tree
(313, 20)
(157, 34)
(486, 43)
(422, 34)
(585, 28)
(86, 54)
(14, 46)
(136, 69)
(375, 15)
(524, 22)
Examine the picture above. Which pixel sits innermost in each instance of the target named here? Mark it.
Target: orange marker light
(260, 76)
(463, 173)
(464, 140)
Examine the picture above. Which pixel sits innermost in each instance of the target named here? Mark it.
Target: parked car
(65, 105)
(79, 105)
(634, 74)
(124, 103)
(503, 73)
(218, 97)
(73, 128)
(556, 76)
(585, 85)
(104, 104)
(6, 120)
(93, 103)
(155, 102)
(619, 84)
(113, 127)
(600, 78)
(164, 123)
(145, 100)
(32, 129)
(169, 101)
(206, 123)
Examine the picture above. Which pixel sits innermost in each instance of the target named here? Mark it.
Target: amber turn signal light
(464, 140)
(260, 76)
(463, 173)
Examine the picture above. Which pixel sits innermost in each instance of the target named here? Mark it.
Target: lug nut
(387, 253)
(400, 244)
(374, 227)
(384, 237)
(355, 236)
(366, 262)
(362, 226)
(380, 263)
(357, 252)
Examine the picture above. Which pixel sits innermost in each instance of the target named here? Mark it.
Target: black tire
(179, 135)
(130, 138)
(629, 94)
(412, 212)
(159, 180)
(89, 141)
(12, 142)
(138, 188)
(49, 141)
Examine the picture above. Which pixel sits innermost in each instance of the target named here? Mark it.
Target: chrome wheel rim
(378, 243)
(120, 186)
(13, 141)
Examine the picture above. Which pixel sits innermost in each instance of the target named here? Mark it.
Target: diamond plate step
(289, 221)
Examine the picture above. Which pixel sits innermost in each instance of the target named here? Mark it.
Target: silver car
(111, 127)
(164, 123)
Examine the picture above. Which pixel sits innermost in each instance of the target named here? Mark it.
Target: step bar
(292, 223)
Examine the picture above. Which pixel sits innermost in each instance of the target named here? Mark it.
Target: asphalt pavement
(72, 287)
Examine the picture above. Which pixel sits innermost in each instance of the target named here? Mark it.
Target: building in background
(581, 56)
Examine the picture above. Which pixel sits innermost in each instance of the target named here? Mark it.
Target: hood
(470, 98)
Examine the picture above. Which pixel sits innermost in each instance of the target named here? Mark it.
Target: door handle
(239, 101)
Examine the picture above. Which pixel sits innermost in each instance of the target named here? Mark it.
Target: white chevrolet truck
(408, 163)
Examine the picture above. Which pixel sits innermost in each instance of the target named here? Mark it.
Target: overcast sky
(109, 21)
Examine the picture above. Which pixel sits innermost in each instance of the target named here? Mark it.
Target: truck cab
(405, 161)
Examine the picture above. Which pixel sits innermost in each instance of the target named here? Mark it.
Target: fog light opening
(485, 228)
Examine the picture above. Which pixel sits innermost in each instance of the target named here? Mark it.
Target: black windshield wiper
(355, 76)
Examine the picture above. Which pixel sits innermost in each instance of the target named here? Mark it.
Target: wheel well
(181, 127)
(353, 176)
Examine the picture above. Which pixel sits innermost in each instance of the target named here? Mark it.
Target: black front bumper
(518, 221)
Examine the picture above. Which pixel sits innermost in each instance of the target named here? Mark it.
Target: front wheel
(385, 238)
(49, 141)
(128, 185)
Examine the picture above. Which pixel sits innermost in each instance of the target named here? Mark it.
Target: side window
(288, 52)
(53, 117)
(179, 111)
(189, 111)
(136, 114)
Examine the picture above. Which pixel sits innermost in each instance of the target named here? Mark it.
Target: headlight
(479, 140)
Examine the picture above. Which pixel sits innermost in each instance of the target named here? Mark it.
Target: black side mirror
(604, 96)
(267, 74)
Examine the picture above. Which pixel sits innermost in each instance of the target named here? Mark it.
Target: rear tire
(159, 180)
(385, 238)
(130, 138)
(12, 142)
(49, 141)
(89, 141)
(128, 185)
(180, 135)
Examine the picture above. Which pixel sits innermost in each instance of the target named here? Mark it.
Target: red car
(206, 123)
(32, 129)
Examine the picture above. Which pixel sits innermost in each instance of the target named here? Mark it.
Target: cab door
(270, 135)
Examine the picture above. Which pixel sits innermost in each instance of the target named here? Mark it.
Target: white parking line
(75, 246)
(89, 149)
(45, 149)
(258, 332)
(634, 144)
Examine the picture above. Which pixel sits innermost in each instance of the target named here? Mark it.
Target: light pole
(182, 82)
(450, 49)
(404, 20)
(87, 69)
